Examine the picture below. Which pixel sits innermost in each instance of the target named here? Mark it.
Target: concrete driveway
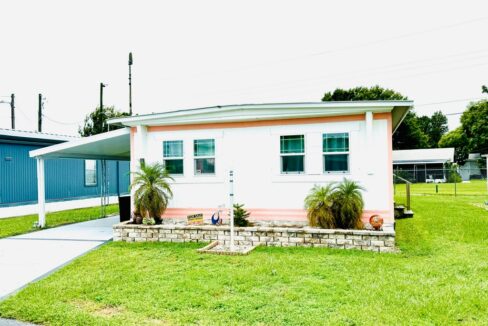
(29, 257)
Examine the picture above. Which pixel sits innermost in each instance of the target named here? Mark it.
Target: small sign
(195, 219)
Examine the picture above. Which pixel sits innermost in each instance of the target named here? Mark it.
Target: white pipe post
(231, 207)
(369, 138)
(41, 192)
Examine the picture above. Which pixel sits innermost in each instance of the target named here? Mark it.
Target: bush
(453, 175)
(335, 206)
(348, 205)
(241, 215)
(319, 206)
(148, 221)
(152, 190)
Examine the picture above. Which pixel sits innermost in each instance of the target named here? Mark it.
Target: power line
(25, 115)
(435, 29)
(345, 48)
(407, 65)
(452, 101)
(61, 122)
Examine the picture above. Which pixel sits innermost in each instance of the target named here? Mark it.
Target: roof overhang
(253, 112)
(112, 145)
(32, 137)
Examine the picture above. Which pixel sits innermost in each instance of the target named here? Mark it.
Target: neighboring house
(278, 152)
(66, 179)
(423, 165)
(471, 168)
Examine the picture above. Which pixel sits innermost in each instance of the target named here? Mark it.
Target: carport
(112, 145)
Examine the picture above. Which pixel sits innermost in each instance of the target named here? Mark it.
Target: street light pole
(130, 83)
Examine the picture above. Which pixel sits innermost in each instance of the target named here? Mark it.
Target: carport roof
(112, 145)
(423, 156)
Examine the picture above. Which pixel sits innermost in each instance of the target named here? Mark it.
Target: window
(292, 150)
(90, 173)
(204, 152)
(173, 156)
(335, 149)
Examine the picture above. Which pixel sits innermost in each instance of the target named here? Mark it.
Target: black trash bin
(124, 208)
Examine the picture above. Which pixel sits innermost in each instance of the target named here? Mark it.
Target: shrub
(453, 174)
(152, 192)
(335, 206)
(241, 215)
(348, 205)
(319, 206)
(148, 221)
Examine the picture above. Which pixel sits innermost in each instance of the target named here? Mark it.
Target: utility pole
(12, 110)
(39, 115)
(102, 85)
(130, 83)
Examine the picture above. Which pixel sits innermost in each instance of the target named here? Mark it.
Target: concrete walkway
(29, 257)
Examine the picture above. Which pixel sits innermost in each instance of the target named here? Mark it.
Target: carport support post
(41, 195)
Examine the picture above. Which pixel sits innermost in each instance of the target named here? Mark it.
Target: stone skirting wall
(379, 241)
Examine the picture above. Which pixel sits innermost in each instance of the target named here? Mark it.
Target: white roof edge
(423, 155)
(372, 105)
(79, 141)
(35, 135)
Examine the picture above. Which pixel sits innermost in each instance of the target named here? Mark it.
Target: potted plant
(152, 191)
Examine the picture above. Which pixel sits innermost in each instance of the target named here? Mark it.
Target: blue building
(66, 179)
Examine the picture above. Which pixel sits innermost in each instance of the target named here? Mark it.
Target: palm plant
(319, 204)
(152, 190)
(348, 205)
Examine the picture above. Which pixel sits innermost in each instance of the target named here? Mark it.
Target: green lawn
(24, 224)
(472, 188)
(440, 277)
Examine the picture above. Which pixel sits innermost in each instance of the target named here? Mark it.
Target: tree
(96, 122)
(474, 122)
(409, 134)
(457, 139)
(375, 93)
(434, 127)
(152, 190)
(414, 132)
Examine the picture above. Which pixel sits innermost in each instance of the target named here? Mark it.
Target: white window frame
(173, 158)
(96, 174)
(348, 153)
(292, 154)
(195, 158)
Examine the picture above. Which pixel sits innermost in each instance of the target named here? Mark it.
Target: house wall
(252, 151)
(64, 177)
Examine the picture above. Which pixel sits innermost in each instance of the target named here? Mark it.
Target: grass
(472, 188)
(23, 224)
(440, 277)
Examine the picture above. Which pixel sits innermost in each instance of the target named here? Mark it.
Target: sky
(191, 54)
